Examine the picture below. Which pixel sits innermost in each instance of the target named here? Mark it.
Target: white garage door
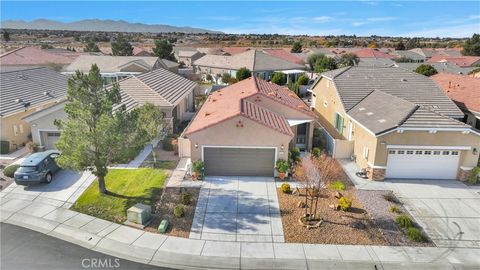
(422, 164)
(50, 138)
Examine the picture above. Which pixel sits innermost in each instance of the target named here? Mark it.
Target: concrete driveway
(449, 211)
(243, 209)
(64, 189)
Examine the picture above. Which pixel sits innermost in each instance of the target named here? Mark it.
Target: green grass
(337, 185)
(126, 188)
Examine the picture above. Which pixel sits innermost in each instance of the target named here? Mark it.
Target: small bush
(167, 144)
(390, 198)
(415, 235)
(337, 185)
(404, 221)
(316, 152)
(394, 209)
(473, 178)
(186, 198)
(10, 170)
(179, 211)
(32, 147)
(286, 188)
(281, 165)
(345, 203)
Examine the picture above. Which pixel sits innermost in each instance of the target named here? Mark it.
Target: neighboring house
(188, 57)
(23, 93)
(375, 62)
(463, 61)
(235, 50)
(373, 53)
(285, 55)
(171, 92)
(140, 51)
(31, 57)
(395, 124)
(418, 58)
(117, 67)
(440, 67)
(259, 63)
(44, 131)
(244, 128)
(465, 92)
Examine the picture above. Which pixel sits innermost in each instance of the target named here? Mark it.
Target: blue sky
(393, 18)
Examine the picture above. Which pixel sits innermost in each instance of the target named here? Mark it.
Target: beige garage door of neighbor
(239, 161)
(49, 139)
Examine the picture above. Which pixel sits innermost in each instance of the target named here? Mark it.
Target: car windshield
(26, 169)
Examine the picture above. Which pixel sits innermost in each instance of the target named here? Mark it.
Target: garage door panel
(422, 164)
(239, 161)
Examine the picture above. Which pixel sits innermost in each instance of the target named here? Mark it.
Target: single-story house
(119, 67)
(285, 55)
(188, 57)
(372, 53)
(446, 67)
(44, 131)
(462, 61)
(171, 92)
(465, 92)
(23, 93)
(31, 57)
(259, 63)
(395, 124)
(415, 57)
(244, 128)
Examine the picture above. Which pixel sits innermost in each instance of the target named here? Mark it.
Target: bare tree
(314, 174)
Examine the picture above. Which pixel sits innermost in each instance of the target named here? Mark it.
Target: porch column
(310, 136)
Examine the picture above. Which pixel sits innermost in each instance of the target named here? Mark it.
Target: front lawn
(126, 188)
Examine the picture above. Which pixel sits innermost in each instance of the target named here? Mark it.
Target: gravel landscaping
(164, 210)
(378, 207)
(354, 227)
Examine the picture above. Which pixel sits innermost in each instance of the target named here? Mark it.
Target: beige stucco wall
(441, 138)
(325, 91)
(46, 123)
(8, 122)
(228, 134)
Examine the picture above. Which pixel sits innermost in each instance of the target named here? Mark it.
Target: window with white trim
(21, 128)
(365, 152)
(15, 130)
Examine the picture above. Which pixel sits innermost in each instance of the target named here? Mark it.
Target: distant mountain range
(100, 25)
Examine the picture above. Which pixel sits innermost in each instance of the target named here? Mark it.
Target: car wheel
(48, 178)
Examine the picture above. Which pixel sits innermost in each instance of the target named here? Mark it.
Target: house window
(15, 130)
(365, 152)
(454, 153)
(436, 153)
(410, 152)
(21, 128)
(338, 123)
(391, 152)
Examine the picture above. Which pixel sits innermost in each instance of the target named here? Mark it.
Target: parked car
(37, 168)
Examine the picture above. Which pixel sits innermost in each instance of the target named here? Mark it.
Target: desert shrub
(10, 170)
(390, 198)
(345, 203)
(394, 209)
(473, 178)
(415, 235)
(167, 144)
(179, 211)
(286, 188)
(316, 152)
(281, 165)
(186, 198)
(31, 146)
(337, 185)
(404, 221)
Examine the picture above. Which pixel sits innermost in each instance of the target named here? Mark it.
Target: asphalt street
(26, 249)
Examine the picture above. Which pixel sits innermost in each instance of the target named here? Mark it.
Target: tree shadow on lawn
(150, 200)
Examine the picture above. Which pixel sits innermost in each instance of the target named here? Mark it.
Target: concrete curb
(167, 251)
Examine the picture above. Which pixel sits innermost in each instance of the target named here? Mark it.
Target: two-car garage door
(239, 161)
(422, 164)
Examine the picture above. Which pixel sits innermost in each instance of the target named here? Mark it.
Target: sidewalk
(16, 154)
(139, 159)
(167, 251)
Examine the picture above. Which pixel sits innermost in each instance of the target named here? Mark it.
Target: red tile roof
(34, 56)
(464, 61)
(462, 89)
(235, 50)
(372, 53)
(229, 102)
(283, 54)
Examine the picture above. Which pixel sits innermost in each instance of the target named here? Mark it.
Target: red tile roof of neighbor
(235, 50)
(462, 89)
(283, 54)
(230, 101)
(34, 56)
(464, 61)
(372, 53)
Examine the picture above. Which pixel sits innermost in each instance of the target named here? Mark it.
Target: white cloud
(381, 19)
(322, 19)
(358, 23)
